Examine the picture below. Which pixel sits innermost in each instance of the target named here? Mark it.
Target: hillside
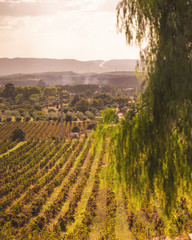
(117, 79)
(37, 65)
(54, 189)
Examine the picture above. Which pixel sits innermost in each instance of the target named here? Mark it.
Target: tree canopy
(18, 134)
(165, 25)
(152, 145)
(9, 91)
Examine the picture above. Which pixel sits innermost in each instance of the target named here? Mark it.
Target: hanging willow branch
(153, 148)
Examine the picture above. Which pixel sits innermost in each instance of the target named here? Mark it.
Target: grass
(14, 148)
(121, 226)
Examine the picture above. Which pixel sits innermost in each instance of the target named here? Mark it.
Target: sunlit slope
(63, 189)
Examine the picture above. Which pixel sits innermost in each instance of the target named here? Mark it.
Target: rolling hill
(36, 65)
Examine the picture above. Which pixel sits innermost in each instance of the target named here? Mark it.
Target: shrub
(81, 116)
(16, 113)
(51, 110)
(70, 117)
(18, 119)
(27, 119)
(38, 107)
(91, 126)
(89, 114)
(35, 116)
(8, 118)
(27, 116)
(18, 134)
(75, 129)
(52, 116)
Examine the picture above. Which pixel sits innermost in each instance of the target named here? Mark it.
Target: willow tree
(153, 146)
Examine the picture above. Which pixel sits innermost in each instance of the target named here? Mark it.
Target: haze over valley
(29, 71)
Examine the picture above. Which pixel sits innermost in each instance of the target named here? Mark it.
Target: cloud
(30, 8)
(82, 29)
(80, 35)
(51, 7)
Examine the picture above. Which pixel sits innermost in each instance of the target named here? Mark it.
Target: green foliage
(152, 145)
(75, 129)
(18, 134)
(104, 98)
(91, 126)
(109, 116)
(151, 148)
(167, 56)
(50, 91)
(18, 119)
(27, 117)
(34, 98)
(89, 114)
(8, 115)
(80, 88)
(51, 110)
(9, 91)
(19, 98)
(26, 92)
(81, 116)
(70, 117)
(38, 107)
(97, 103)
(75, 99)
(52, 116)
(82, 105)
(121, 101)
(36, 116)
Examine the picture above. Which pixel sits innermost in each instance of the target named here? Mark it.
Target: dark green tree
(9, 91)
(75, 99)
(75, 129)
(18, 134)
(68, 118)
(82, 105)
(97, 103)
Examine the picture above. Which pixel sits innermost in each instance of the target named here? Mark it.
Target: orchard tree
(82, 105)
(19, 98)
(50, 91)
(9, 91)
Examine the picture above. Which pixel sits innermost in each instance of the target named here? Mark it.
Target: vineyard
(63, 189)
(41, 130)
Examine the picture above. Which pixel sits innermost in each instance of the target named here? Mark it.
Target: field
(63, 189)
(40, 130)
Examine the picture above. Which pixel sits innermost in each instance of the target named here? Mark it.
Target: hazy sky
(79, 29)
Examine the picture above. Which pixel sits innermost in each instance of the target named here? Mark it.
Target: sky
(62, 29)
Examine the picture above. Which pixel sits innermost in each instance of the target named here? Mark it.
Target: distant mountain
(39, 65)
(116, 79)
